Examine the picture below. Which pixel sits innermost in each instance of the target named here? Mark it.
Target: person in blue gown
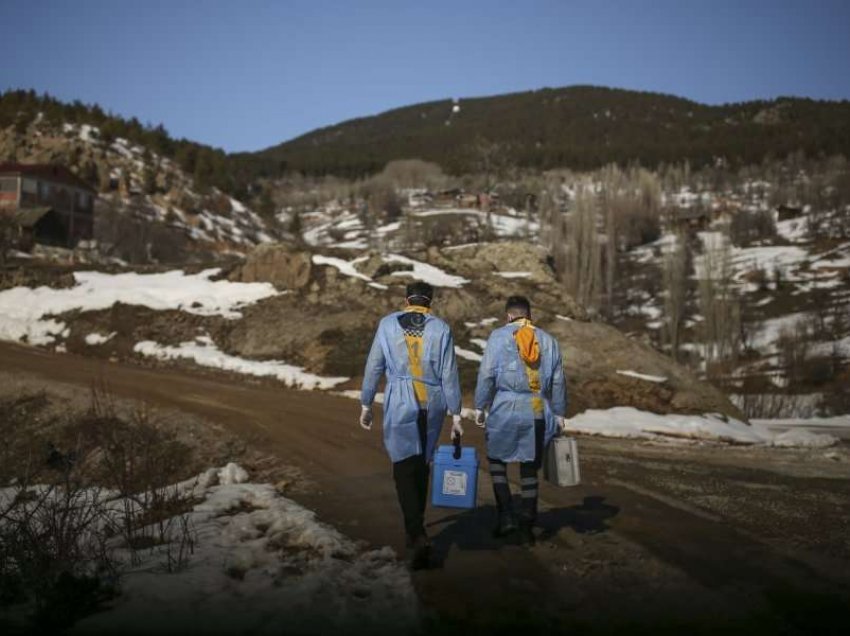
(415, 351)
(521, 400)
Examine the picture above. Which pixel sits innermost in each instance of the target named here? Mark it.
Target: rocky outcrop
(281, 265)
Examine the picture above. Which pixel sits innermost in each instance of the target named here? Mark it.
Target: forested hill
(578, 127)
(208, 166)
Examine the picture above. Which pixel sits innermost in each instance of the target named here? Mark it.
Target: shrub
(59, 520)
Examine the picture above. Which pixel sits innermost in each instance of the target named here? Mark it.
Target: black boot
(526, 532)
(421, 558)
(505, 525)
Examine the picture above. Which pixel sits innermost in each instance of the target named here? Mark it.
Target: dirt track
(657, 535)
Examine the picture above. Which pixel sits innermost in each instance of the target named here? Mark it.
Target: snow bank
(628, 422)
(204, 352)
(800, 437)
(261, 564)
(24, 311)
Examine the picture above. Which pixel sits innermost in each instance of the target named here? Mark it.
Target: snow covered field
(26, 314)
(629, 422)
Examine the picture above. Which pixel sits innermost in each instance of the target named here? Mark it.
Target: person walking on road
(416, 352)
(521, 401)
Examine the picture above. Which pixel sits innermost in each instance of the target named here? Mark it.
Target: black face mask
(424, 301)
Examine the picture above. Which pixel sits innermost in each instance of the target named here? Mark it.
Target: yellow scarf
(529, 351)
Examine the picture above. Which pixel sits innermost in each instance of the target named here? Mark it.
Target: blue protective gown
(389, 355)
(503, 390)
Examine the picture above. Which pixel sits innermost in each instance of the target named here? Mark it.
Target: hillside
(149, 209)
(20, 109)
(579, 127)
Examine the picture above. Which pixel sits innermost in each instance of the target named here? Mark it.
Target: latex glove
(562, 424)
(480, 418)
(366, 418)
(457, 428)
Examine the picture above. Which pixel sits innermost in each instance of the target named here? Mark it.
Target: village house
(459, 198)
(49, 203)
(696, 218)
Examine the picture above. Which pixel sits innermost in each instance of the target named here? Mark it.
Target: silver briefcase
(560, 466)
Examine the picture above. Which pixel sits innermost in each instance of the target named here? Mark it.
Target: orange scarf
(526, 340)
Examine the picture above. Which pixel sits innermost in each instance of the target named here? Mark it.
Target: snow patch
(94, 339)
(514, 274)
(345, 267)
(467, 354)
(205, 353)
(643, 376)
(354, 394)
(427, 273)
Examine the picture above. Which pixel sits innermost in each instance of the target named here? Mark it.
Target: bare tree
(583, 275)
(675, 273)
(614, 207)
(720, 309)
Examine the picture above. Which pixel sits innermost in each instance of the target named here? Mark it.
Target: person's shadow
(473, 529)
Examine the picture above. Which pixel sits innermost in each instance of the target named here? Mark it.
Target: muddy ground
(661, 536)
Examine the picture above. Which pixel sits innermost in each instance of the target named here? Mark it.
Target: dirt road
(659, 535)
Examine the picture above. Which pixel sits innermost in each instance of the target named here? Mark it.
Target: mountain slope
(148, 208)
(578, 127)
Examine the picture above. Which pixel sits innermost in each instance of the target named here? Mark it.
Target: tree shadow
(473, 529)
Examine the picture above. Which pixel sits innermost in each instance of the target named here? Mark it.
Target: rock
(281, 265)
(482, 263)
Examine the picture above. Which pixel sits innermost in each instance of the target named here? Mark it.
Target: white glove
(457, 429)
(366, 418)
(480, 418)
(562, 424)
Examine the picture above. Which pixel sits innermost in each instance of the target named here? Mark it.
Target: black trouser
(527, 478)
(411, 484)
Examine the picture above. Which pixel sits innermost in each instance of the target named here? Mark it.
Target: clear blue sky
(244, 74)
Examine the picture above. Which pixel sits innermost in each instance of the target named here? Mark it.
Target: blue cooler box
(454, 483)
